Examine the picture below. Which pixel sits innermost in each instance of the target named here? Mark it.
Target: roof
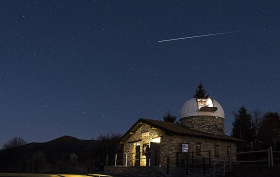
(174, 129)
(201, 107)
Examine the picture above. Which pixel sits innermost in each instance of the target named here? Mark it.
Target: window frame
(198, 149)
(217, 151)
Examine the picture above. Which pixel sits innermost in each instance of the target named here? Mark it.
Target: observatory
(199, 134)
(203, 114)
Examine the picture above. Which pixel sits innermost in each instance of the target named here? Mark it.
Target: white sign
(185, 147)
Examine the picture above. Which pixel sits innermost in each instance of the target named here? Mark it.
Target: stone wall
(207, 124)
(143, 135)
(170, 145)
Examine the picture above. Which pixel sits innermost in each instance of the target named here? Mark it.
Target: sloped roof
(174, 129)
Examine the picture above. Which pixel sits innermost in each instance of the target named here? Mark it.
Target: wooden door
(155, 151)
(137, 156)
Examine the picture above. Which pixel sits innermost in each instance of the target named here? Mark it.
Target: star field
(85, 68)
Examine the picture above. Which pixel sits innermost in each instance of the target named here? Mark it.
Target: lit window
(206, 105)
(204, 102)
(156, 140)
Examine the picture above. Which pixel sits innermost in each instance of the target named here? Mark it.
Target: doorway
(155, 151)
(137, 155)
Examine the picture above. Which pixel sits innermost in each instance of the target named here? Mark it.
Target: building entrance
(154, 155)
(137, 156)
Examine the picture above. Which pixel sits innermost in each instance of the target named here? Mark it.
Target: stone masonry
(206, 124)
(143, 135)
(171, 144)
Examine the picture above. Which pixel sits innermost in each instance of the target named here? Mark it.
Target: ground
(239, 171)
(255, 171)
(49, 175)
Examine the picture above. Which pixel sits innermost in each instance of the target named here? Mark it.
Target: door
(155, 151)
(137, 156)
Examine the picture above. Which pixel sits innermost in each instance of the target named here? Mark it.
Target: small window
(217, 150)
(198, 149)
(228, 150)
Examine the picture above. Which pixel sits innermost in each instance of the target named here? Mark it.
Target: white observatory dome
(197, 107)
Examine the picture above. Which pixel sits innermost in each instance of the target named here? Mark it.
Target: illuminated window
(145, 148)
(217, 151)
(156, 140)
(204, 102)
(198, 149)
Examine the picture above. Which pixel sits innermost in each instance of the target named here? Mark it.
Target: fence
(220, 166)
(262, 156)
(276, 156)
(266, 157)
(189, 161)
(186, 162)
(149, 158)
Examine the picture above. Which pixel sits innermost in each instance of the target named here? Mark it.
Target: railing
(253, 156)
(262, 156)
(226, 162)
(276, 155)
(150, 158)
(189, 161)
(185, 161)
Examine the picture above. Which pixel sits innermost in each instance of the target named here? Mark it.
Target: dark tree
(200, 92)
(256, 123)
(14, 157)
(270, 127)
(108, 145)
(242, 125)
(14, 142)
(39, 162)
(168, 117)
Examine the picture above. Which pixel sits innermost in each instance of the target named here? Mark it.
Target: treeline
(62, 155)
(258, 130)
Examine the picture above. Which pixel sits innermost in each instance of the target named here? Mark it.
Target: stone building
(199, 133)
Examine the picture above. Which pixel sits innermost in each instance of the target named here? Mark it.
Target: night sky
(84, 68)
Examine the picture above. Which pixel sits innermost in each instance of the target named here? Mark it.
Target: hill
(64, 154)
(62, 145)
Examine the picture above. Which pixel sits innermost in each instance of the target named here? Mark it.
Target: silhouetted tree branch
(14, 142)
(168, 117)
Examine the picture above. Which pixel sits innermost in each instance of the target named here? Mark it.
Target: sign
(185, 147)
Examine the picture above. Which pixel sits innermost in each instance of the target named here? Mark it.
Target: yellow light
(156, 140)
